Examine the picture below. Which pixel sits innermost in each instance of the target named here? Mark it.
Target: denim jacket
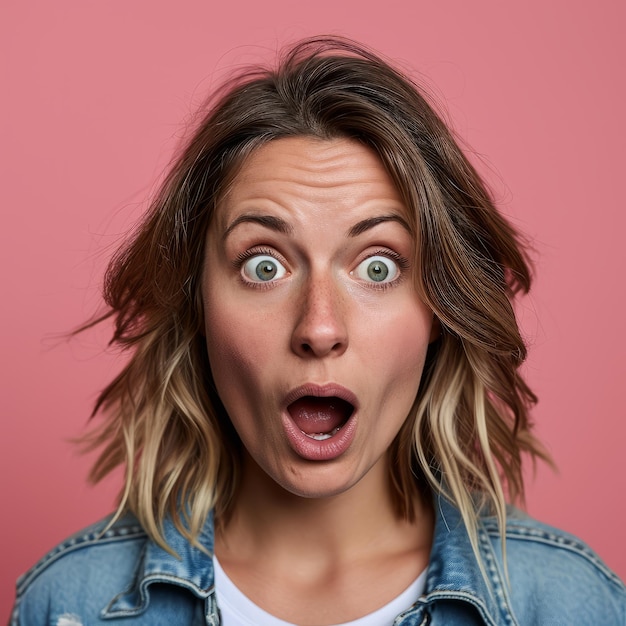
(122, 577)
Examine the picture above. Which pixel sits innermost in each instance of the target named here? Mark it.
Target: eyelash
(242, 257)
(403, 265)
(402, 262)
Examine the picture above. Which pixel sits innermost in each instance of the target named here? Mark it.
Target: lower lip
(324, 450)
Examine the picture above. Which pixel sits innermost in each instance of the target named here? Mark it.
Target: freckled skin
(321, 318)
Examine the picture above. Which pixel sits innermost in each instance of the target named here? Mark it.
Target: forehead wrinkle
(268, 221)
(371, 222)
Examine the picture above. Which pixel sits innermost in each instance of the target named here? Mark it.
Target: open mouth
(320, 418)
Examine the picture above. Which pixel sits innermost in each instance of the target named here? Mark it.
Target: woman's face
(315, 333)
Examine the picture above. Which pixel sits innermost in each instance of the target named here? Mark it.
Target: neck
(269, 522)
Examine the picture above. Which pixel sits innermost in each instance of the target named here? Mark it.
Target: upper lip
(327, 390)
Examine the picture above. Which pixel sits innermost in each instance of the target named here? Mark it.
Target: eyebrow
(280, 225)
(269, 221)
(366, 224)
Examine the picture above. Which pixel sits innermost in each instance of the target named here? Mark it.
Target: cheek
(402, 332)
(239, 346)
(398, 351)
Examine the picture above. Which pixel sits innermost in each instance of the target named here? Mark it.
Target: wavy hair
(163, 420)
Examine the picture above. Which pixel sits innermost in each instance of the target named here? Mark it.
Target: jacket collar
(455, 574)
(453, 571)
(191, 569)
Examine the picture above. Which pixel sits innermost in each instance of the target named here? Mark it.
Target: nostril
(308, 349)
(315, 335)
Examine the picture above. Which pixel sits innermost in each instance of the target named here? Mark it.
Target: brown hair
(469, 426)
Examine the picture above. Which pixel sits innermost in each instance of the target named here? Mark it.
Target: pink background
(93, 99)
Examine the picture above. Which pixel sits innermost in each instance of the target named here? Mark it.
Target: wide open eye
(262, 268)
(377, 269)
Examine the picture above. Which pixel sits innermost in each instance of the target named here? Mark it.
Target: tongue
(313, 415)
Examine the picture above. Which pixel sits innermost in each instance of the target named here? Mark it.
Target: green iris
(377, 271)
(266, 270)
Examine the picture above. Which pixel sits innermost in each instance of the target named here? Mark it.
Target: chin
(320, 482)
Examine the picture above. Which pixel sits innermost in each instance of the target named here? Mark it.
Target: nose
(320, 329)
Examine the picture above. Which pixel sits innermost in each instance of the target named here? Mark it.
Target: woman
(322, 418)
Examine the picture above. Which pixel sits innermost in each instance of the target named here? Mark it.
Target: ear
(435, 329)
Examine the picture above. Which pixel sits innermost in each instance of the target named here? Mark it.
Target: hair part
(469, 426)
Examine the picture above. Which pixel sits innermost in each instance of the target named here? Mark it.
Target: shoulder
(95, 564)
(554, 574)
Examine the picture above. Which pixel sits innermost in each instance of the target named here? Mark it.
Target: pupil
(377, 271)
(266, 270)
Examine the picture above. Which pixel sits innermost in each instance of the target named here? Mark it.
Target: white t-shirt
(238, 610)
